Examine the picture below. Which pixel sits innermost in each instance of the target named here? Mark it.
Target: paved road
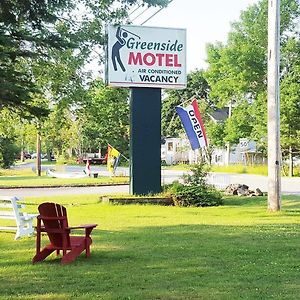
(220, 180)
(168, 176)
(288, 185)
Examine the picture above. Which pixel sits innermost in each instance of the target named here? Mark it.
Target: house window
(170, 146)
(218, 158)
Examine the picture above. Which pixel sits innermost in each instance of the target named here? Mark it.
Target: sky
(206, 21)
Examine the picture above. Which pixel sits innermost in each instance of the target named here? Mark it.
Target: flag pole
(180, 104)
(188, 100)
(119, 152)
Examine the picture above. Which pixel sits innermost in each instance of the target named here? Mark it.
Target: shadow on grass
(164, 262)
(245, 201)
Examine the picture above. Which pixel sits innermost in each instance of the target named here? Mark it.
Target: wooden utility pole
(274, 180)
(38, 151)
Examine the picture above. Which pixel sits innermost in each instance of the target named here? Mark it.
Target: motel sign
(141, 56)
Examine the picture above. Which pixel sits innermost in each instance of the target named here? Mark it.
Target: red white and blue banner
(193, 125)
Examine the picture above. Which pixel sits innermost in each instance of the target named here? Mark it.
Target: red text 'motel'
(150, 59)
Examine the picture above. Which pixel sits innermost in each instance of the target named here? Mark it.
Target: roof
(219, 114)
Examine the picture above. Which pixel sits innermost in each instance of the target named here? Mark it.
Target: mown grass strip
(235, 251)
(45, 181)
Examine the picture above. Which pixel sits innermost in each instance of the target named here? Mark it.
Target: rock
(258, 192)
(244, 186)
(234, 192)
(241, 190)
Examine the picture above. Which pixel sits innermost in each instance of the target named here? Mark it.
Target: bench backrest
(10, 207)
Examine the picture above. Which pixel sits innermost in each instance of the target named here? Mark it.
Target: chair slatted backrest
(54, 217)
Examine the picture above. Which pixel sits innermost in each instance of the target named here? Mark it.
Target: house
(239, 154)
(178, 150)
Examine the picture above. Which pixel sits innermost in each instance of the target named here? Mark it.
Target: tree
(290, 100)
(58, 131)
(239, 125)
(8, 147)
(105, 118)
(238, 71)
(25, 35)
(44, 46)
(31, 31)
(216, 134)
(197, 87)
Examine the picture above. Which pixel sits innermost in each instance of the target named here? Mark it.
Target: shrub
(65, 160)
(195, 191)
(8, 152)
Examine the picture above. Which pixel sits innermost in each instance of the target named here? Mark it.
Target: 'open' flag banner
(193, 125)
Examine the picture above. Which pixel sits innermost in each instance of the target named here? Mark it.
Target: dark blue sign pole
(145, 139)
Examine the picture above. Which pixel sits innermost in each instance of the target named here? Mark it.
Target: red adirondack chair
(55, 224)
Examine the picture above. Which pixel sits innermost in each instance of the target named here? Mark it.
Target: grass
(241, 169)
(34, 181)
(27, 178)
(236, 251)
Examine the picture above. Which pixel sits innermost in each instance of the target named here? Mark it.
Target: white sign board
(140, 56)
(244, 144)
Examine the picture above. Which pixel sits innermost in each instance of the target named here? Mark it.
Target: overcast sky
(206, 21)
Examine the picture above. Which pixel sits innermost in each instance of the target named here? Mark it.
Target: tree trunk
(22, 158)
(38, 153)
(291, 163)
(227, 160)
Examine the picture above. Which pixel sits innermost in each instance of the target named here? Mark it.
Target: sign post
(146, 59)
(145, 128)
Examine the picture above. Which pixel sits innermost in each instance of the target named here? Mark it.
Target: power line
(152, 16)
(155, 13)
(140, 14)
(135, 10)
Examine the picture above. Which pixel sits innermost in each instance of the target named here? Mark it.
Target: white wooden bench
(12, 210)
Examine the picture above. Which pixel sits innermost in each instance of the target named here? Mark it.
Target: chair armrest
(52, 218)
(88, 228)
(83, 226)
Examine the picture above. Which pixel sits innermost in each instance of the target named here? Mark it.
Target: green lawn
(27, 178)
(237, 251)
(34, 181)
(239, 169)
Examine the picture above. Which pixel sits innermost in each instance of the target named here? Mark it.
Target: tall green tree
(197, 87)
(31, 32)
(8, 137)
(104, 118)
(290, 101)
(44, 46)
(238, 71)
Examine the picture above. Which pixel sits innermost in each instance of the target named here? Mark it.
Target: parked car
(26, 155)
(34, 155)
